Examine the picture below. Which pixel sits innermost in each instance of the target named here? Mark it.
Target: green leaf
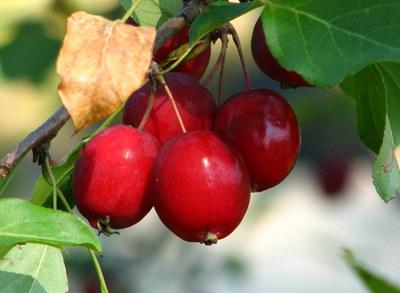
(325, 41)
(367, 87)
(153, 12)
(33, 268)
(377, 93)
(218, 14)
(373, 282)
(4, 181)
(4, 250)
(22, 221)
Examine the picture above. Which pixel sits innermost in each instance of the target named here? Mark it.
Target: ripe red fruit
(332, 174)
(195, 66)
(201, 189)
(263, 127)
(267, 62)
(195, 103)
(111, 176)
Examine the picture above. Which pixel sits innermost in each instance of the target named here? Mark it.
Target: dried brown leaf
(101, 63)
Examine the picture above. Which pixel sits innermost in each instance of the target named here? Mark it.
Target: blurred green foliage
(30, 54)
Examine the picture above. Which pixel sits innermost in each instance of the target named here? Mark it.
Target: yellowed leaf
(101, 63)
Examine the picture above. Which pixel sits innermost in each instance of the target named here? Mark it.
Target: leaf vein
(331, 27)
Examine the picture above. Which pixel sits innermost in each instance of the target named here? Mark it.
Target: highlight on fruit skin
(195, 103)
(264, 129)
(201, 188)
(267, 63)
(110, 181)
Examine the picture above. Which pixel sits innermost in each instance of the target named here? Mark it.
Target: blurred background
(292, 237)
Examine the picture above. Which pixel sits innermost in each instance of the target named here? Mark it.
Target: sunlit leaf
(325, 41)
(22, 221)
(33, 268)
(153, 12)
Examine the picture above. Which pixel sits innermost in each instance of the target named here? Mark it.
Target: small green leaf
(377, 93)
(153, 12)
(33, 268)
(386, 173)
(22, 221)
(325, 41)
(373, 282)
(218, 14)
(386, 170)
(367, 88)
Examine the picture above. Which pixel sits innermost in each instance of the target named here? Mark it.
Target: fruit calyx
(103, 226)
(209, 239)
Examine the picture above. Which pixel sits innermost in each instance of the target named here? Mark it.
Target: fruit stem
(149, 105)
(236, 39)
(221, 71)
(48, 172)
(220, 59)
(63, 200)
(131, 9)
(216, 64)
(103, 285)
(161, 79)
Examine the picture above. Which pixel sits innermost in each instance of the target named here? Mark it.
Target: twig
(191, 10)
(49, 129)
(44, 133)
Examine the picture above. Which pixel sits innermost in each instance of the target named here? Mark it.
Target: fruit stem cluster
(222, 34)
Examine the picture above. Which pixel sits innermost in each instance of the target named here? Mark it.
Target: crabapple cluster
(198, 177)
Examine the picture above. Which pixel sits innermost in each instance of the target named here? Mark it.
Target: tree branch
(49, 129)
(44, 133)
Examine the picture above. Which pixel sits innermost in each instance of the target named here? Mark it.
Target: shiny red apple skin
(263, 127)
(200, 186)
(112, 174)
(195, 103)
(195, 66)
(267, 62)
